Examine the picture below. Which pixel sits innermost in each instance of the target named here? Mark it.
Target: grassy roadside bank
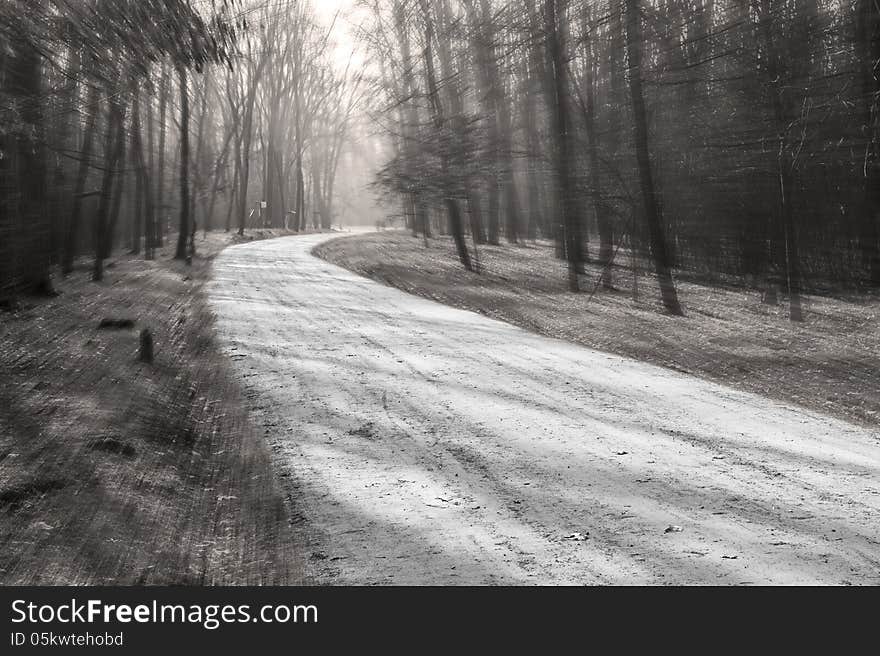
(829, 364)
(117, 472)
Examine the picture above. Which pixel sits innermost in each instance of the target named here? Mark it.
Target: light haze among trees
(735, 140)
(129, 122)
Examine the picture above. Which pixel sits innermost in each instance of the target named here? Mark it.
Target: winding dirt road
(427, 445)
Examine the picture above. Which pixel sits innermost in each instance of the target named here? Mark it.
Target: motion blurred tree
(102, 50)
(735, 140)
(22, 146)
(559, 103)
(651, 207)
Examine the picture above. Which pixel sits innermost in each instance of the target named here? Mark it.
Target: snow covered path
(428, 445)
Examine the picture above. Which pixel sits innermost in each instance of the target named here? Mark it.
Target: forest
(622, 329)
(734, 139)
(126, 123)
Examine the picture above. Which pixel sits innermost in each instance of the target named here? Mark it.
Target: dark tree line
(126, 123)
(73, 78)
(729, 138)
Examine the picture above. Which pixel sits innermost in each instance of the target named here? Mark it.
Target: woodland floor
(830, 363)
(114, 472)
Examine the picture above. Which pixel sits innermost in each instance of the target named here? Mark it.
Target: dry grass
(830, 363)
(117, 472)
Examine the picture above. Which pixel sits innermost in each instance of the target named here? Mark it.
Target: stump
(116, 324)
(146, 350)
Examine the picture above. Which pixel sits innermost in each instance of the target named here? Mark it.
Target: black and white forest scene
(407, 293)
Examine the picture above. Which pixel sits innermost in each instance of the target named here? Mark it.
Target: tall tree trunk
(149, 177)
(279, 196)
(161, 209)
(198, 174)
(554, 12)
(134, 157)
(142, 171)
(409, 113)
(244, 170)
(183, 235)
(494, 223)
(219, 169)
(247, 131)
(88, 141)
(59, 193)
(501, 110)
(233, 196)
(792, 264)
(114, 143)
(530, 123)
(299, 203)
(868, 41)
(603, 220)
(535, 81)
(23, 81)
(475, 213)
(119, 190)
(785, 246)
(452, 208)
(653, 217)
(423, 218)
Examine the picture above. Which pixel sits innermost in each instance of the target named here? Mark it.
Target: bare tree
(651, 205)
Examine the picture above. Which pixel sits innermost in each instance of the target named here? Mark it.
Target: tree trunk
(219, 168)
(144, 194)
(88, 141)
(494, 211)
(233, 196)
(535, 79)
(603, 220)
(22, 79)
(475, 213)
(119, 189)
(149, 173)
(134, 156)
(558, 102)
(424, 219)
(452, 208)
(302, 224)
(793, 273)
(114, 142)
(785, 250)
(60, 193)
(410, 114)
(868, 26)
(161, 209)
(653, 217)
(183, 235)
(501, 108)
(247, 131)
(198, 174)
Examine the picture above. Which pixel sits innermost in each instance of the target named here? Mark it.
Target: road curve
(428, 445)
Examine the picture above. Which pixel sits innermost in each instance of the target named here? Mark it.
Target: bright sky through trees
(347, 17)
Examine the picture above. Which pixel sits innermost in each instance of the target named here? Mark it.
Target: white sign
(262, 204)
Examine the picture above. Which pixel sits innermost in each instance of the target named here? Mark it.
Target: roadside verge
(118, 472)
